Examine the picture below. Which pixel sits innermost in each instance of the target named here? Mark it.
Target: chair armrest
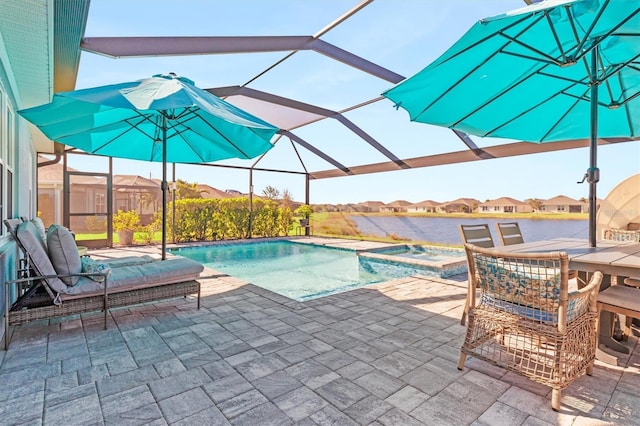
(633, 282)
(585, 298)
(40, 277)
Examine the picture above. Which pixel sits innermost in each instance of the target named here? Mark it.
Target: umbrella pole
(164, 187)
(593, 174)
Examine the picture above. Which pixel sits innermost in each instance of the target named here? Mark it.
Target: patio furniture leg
(555, 399)
(106, 303)
(198, 296)
(461, 361)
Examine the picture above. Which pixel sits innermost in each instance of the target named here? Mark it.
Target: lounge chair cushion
(128, 260)
(141, 275)
(63, 253)
(33, 244)
(42, 231)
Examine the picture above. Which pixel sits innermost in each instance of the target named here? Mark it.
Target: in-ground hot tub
(443, 261)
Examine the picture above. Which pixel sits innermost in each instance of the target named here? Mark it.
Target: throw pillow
(91, 266)
(63, 253)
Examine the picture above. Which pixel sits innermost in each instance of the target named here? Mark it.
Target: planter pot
(126, 237)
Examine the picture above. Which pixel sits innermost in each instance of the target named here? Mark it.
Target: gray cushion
(128, 260)
(42, 231)
(27, 233)
(63, 253)
(143, 275)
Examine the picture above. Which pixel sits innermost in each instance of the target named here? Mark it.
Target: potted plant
(305, 211)
(125, 223)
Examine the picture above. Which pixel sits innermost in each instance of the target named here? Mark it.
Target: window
(101, 206)
(10, 143)
(9, 194)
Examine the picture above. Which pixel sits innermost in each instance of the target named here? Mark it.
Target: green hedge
(206, 219)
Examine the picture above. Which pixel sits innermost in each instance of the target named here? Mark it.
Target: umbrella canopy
(555, 70)
(125, 121)
(164, 118)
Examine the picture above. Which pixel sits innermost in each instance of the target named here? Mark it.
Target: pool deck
(385, 354)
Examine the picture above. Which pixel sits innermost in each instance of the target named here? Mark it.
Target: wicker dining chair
(622, 235)
(479, 235)
(509, 233)
(618, 299)
(527, 321)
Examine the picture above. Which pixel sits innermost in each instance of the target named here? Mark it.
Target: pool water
(298, 271)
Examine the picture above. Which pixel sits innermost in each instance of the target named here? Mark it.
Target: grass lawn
(138, 237)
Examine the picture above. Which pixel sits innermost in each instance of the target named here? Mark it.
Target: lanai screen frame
(128, 47)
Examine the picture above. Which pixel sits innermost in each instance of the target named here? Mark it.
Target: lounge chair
(527, 319)
(74, 286)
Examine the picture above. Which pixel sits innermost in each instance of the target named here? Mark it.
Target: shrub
(128, 220)
(96, 224)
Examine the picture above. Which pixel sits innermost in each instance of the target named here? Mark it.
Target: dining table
(615, 259)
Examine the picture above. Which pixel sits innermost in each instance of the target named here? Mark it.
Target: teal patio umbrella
(165, 118)
(555, 70)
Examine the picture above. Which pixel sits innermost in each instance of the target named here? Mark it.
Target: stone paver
(382, 355)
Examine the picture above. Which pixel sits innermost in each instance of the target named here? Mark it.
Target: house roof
(504, 201)
(208, 191)
(427, 203)
(372, 203)
(52, 174)
(465, 201)
(398, 203)
(560, 200)
(134, 181)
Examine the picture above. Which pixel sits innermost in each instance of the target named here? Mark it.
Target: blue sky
(403, 36)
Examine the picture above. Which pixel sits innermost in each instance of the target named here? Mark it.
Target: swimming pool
(295, 270)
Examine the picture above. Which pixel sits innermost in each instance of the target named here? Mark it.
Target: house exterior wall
(420, 209)
(563, 208)
(510, 208)
(17, 174)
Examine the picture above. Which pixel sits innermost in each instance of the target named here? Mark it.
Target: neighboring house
(208, 191)
(234, 192)
(371, 206)
(88, 196)
(563, 204)
(50, 197)
(461, 205)
(352, 208)
(87, 193)
(132, 192)
(426, 206)
(328, 208)
(585, 204)
(397, 206)
(504, 205)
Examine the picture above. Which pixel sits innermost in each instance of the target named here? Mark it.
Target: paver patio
(381, 355)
